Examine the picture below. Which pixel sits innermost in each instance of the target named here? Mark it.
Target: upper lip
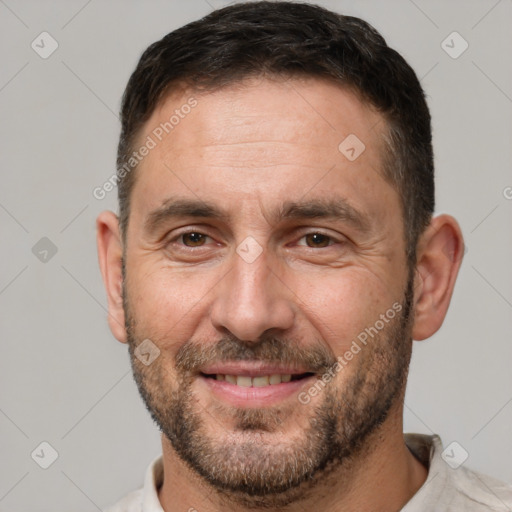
(251, 369)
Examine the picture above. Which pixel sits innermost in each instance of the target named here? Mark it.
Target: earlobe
(440, 252)
(110, 252)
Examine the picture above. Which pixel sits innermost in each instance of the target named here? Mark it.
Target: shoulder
(477, 491)
(132, 502)
(145, 497)
(450, 486)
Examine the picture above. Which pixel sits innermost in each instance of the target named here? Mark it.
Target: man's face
(272, 288)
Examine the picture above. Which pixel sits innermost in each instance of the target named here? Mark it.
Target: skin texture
(248, 149)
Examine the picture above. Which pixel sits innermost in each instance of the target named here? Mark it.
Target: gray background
(64, 379)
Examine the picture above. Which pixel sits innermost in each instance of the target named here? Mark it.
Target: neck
(383, 476)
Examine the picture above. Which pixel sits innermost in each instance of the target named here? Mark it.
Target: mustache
(192, 356)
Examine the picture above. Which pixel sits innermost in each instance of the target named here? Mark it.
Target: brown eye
(196, 239)
(317, 240)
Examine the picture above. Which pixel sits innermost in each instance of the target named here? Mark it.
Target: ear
(439, 256)
(110, 252)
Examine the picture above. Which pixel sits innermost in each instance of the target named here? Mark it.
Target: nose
(251, 299)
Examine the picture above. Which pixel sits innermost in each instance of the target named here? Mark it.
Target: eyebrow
(180, 208)
(328, 209)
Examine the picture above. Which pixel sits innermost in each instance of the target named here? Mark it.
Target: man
(274, 257)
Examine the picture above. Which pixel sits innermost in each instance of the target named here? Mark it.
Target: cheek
(166, 304)
(340, 306)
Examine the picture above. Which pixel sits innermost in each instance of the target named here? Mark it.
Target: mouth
(254, 385)
(260, 381)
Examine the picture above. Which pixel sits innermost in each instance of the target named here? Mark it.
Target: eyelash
(197, 232)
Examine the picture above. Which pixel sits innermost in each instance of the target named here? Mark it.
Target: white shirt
(445, 490)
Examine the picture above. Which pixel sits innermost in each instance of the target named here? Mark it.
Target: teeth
(257, 382)
(244, 381)
(275, 379)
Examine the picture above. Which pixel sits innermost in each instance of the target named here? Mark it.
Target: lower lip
(254, 397)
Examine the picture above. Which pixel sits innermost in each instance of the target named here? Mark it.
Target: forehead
(286, 110)
(264, 139)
